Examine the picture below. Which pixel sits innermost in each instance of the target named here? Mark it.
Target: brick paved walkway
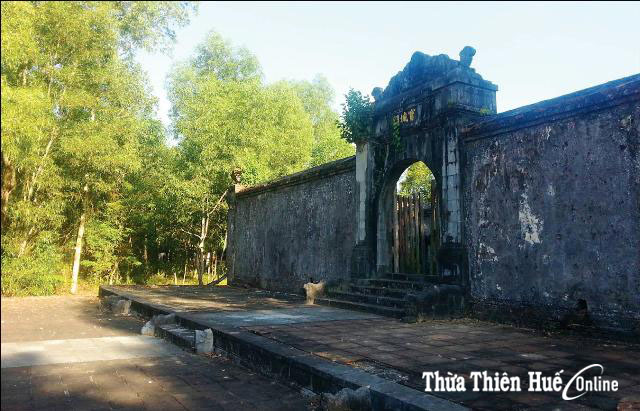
(401, 352)
(139, 374)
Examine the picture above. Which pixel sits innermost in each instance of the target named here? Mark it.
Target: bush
(168, 278)
(356, 118)
(37, 274)
(20, 285)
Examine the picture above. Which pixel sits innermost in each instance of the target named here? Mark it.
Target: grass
(22, 284)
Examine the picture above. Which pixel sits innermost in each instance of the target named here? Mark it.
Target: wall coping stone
(330, 169)
(584, 101)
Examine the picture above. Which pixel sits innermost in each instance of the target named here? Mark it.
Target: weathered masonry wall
(551, 204)
(539, 207)
(292, 230)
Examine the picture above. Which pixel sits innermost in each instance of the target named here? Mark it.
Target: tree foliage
(227, 120)
(317, 97)
(416, 180)
(90, 187)
(357, 114)
(74, 109)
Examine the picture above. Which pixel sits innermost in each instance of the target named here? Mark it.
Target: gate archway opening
(408, 228)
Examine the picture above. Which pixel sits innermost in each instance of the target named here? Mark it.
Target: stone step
(370, 308)
(368, 299)
(396, 284)
(405, 276)
(381, 291)
(178, 335)
(419, 278)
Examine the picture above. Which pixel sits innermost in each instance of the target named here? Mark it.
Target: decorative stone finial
(423, 68)
(377, 93)
(466, 55)
(236, 175)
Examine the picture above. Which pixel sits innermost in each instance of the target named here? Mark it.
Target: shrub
(357, 114)
(39, 273)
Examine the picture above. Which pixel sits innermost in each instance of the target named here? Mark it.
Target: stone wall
(540, 206)
(293, 230)
(551, 204)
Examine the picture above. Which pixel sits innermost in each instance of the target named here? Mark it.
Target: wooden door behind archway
(413, 232)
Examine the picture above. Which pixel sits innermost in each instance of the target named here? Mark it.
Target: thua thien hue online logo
(483, 381)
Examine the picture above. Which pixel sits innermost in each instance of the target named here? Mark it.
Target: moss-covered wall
(300, 228)
(552, 209)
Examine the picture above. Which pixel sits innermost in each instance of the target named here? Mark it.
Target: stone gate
(418, 117)
(538, 207)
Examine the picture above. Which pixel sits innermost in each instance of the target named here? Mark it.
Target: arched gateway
(418, 117)
(521, 229)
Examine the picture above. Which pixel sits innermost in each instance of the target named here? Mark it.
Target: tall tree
(317, 97)
(227, 120)
(73, 109)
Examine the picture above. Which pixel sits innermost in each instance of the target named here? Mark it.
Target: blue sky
(532, 51)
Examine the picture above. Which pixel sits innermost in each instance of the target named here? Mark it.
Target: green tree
(150, 206)
(150, 25)
(356, 118)
(417, 180)
(74, 107)
(88, 181)
(317, 97)
(227, 120)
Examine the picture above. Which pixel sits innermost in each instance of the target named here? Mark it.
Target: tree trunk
(224, 246)
(200, 264)
(78, 252)
(32, 189)
(76, 257)
(208, 267)
(23, 245)
(215, 265)
(145, 253)
(184, 276)
(8, 184)
(38, 172)
(204, 229)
